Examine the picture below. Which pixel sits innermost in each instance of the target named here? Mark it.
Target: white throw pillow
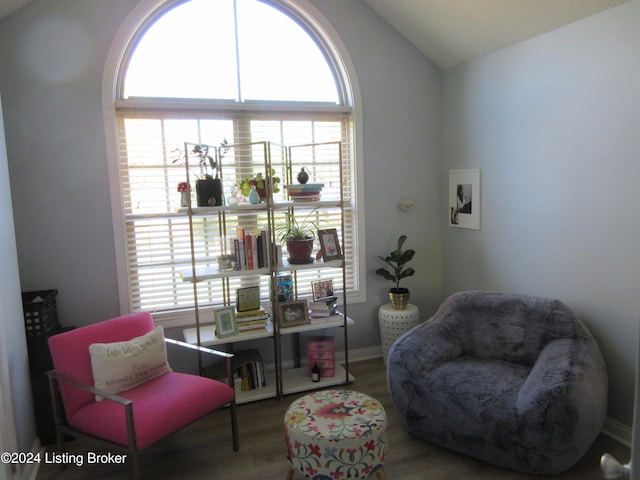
(120, 366)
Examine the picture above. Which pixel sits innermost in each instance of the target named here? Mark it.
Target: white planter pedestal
(394, 323)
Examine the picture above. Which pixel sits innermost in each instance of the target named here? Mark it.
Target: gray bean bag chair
(514, 380)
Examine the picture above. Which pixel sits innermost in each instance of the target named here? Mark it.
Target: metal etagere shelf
(212, 229)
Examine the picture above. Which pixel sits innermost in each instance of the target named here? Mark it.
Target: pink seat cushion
(160, 406)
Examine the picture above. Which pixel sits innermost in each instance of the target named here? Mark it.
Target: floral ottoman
(336, 434)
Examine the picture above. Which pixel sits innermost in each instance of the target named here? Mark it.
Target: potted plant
(258, 180)
(397, 260)
(208, 188)
(298, 237)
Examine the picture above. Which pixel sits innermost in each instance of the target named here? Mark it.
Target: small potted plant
(298, 237)
(258, 180)
(208, 188)
(397, 260)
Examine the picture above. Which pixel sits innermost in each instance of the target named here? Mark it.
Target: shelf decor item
(321, 352)
(397, 260)
(184, 189)
(209, 192)
(225, 322)
(298, 237)
(329, 244)
(322, 290)
(285, 287)
(208, 188)
(254, 196)
(303, 176)
(248, 298)
(258, 180)
(225, 262)
(293, 313)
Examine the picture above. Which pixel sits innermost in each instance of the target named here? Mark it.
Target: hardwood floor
(204, 450)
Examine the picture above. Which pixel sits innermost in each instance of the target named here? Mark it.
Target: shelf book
(304, 192)
(252, 320)
(251, 250)
(322, 309)
(247, 368)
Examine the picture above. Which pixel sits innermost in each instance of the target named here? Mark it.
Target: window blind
(157, 239)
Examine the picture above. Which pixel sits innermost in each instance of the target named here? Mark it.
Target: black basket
(40, 312)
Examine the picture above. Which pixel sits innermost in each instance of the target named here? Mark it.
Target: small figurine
(303, 176)
(254, 196)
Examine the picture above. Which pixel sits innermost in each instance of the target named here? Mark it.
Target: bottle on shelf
(315, 372)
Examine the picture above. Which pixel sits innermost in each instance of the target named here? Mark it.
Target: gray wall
(11, 315)
(52, 57)
(554, 125)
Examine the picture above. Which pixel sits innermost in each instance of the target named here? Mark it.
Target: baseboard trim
(618, 431)
(358, 354)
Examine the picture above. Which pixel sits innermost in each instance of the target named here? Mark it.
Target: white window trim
(303, 9)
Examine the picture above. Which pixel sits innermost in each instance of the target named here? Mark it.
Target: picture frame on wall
(293, 313)
(465, 198)
(226, 325)
(329, 244)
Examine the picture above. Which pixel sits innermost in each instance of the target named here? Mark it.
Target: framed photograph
(293, 313)
(248, 298)
(329, 244)
(225, 322)
(465, 196)
(322, 290)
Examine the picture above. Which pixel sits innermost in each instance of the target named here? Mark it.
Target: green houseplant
(258, 180)
(298, 236)
(208, 188)
(397, 261)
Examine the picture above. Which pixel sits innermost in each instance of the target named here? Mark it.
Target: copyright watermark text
(78, 459)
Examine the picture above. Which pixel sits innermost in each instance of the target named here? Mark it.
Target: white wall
(554, 125)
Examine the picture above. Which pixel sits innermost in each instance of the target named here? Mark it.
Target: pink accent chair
(142, 415)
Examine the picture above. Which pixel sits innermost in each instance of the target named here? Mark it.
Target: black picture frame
(247, 298)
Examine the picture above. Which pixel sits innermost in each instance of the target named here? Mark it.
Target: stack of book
(248, 370)
(321, 310)
(304, 192)
(251, 250)
(251, 320)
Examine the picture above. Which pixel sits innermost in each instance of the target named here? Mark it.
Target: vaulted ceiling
(10, 6)
(451, 32)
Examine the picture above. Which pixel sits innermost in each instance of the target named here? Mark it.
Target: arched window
(199, 71)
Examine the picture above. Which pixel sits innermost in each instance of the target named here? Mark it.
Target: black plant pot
(209, 192)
